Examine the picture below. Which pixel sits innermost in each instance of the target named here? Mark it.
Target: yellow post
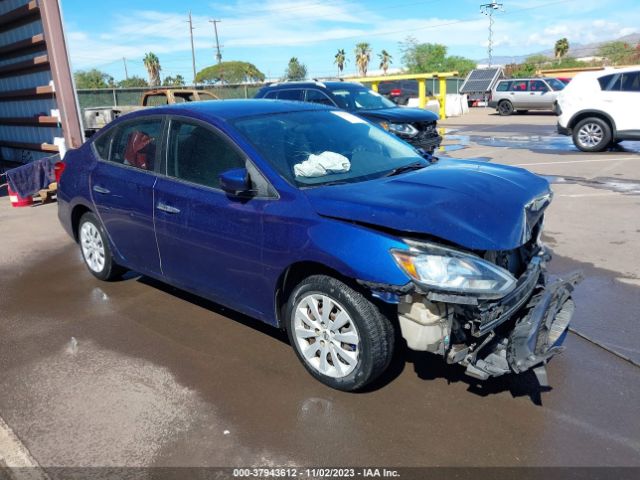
(422, 93)
(443, 97)
(374, 86)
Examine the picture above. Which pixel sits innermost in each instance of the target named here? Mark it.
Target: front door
(122, 190)
(210, 242)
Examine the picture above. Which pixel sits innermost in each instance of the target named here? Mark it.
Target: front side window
(361, 99)
(538, 86)
(315, 148)
(316, 96)
(136, 143)
(199, 154)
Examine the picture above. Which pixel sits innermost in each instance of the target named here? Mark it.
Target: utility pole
(215, 29)
(193, 51)
(488, 9)
(126, 73)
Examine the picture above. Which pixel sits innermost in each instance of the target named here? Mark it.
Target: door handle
(99, 189)
(167, 208)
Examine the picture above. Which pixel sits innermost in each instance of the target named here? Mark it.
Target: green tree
(230, 72)
(432, 57)
(152, 64)
(561, 48)
(340, 59)
(363, 57)
(133, 82)
(385, 60)
(617, 53)
(93, 78)
(295, 70)
(177, 81)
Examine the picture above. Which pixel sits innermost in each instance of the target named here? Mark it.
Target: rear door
(519, 94)
(122, 190)
(210, 242)
(621, 99)
(540, 95)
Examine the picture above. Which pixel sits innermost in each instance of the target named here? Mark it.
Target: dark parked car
(414, 125)
(400, 91)
(315, 221)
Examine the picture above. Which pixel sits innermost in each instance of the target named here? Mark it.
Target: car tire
(95, 249)
(505, 108)
(592, 134)
(336, 361)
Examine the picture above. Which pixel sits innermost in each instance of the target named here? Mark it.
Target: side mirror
(236, 182)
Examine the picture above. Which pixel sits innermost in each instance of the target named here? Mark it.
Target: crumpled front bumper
(538, 334)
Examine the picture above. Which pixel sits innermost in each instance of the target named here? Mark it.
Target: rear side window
(199, 154)
(272, 94)
(630, 82)
(136, 144)
(518, 86)
(103, 144)
(503, 86)
(295, 95)
(156, 100)
(316, 96)
(610, 82)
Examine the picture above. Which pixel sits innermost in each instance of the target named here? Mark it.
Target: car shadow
(426, 366)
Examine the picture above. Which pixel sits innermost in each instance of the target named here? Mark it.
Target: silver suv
(525, 94)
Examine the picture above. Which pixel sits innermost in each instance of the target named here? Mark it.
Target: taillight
(58, 168)
(396, 92)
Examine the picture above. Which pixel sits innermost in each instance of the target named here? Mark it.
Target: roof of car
(307, 84)
(231, 109)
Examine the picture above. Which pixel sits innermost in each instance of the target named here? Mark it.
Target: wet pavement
(137, 373)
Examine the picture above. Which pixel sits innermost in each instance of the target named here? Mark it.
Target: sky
(268, 33)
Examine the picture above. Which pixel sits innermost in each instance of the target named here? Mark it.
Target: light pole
(488, 9)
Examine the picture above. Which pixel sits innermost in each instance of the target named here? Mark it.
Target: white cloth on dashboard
(322, 164)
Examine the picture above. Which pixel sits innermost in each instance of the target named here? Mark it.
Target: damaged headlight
(400, 128)
(452, 271)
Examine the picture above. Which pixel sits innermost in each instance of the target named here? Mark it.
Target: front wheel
(95, 249)
(592, 135)
(341, 338)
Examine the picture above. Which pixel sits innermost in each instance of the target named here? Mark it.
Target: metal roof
(481, 80)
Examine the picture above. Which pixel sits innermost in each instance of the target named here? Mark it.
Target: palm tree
(363, 56)
(152, 64)
(561, 48)
(340, 60)
(385, 60)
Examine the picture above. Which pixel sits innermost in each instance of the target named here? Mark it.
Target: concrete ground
(137, 373)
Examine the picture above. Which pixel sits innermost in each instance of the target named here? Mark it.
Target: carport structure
(422, 85)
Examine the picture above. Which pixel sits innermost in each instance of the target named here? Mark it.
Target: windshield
(323, 147)
(555, 83)
(361, 99)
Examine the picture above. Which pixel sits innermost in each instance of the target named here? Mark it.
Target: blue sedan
(318, 222)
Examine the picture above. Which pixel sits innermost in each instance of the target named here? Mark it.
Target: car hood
(398, 115)
(472, 204)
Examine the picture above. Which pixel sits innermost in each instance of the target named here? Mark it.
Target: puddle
(540, 143)
(630, 187)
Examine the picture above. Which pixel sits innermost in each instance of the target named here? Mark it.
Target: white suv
(601, 108)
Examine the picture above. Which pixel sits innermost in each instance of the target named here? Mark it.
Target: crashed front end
(493, 312)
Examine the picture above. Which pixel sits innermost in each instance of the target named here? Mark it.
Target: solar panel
(481, 80)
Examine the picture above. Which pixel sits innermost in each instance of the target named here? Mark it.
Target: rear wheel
(505, 108)
(341, 338)
(95, 249)
(592, 135)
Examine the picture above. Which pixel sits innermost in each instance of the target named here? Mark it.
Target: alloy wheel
(590, 135)
(92, 247)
